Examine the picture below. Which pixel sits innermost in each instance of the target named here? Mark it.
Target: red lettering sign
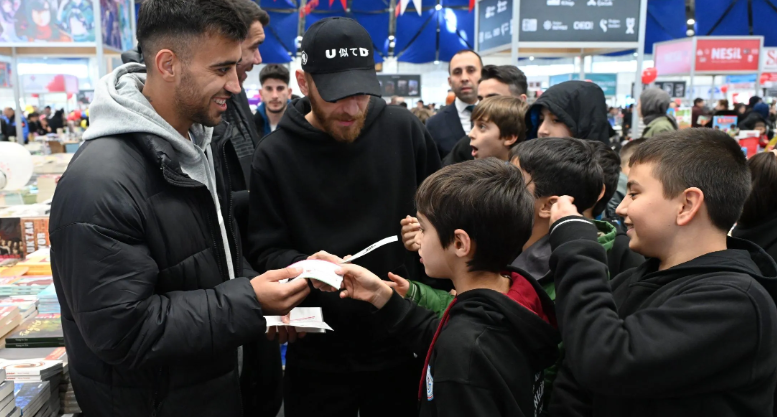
(727, 55)
(674, 58)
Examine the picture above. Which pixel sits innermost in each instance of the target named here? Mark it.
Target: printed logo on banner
(529, 25)
(583, 25)
(603, 24)
(630, 23)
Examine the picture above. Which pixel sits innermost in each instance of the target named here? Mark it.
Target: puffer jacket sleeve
(108, 279)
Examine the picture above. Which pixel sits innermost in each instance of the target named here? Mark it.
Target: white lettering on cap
(364, 52)
(331, 53)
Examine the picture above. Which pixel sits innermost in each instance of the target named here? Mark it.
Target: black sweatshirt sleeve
(414, 326)
(269, 243)
(696, 341)
(459, 399)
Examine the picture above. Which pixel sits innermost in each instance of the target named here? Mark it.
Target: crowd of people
(37, 122)
(540, 272)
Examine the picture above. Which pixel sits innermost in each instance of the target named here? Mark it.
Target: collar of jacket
(161, 152)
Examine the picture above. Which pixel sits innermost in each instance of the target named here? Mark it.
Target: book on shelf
(26, 369)
(7, 404)
(44, 330)
(31, 396)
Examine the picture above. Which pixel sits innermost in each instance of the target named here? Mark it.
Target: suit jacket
(445, 128)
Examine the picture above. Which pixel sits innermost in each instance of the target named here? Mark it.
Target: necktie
(470, 108)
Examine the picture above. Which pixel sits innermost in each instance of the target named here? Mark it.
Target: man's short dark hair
(507, 74)
(610, 163)
(465, 51)
(33, 114)
(175, 25)
(698, 100)
(402, 104)
(47, 107)
(275, 72)
(704, 158)
(486, 198)
(250, 12)
(561, 166)
(761, 204)
(420, 101)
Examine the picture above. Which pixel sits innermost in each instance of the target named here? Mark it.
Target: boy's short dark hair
(704, 158)
(486, 198)
(561, 166)
(250, 12)
(174, 24)
(610, 163)
(507, 113)
(509, 75)
(628, 149)
(275, 72)
(761, 204)
(698, 100)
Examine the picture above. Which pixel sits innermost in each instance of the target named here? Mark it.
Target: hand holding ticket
(323, 269)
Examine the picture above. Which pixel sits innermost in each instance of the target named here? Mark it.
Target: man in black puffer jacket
(155, 298)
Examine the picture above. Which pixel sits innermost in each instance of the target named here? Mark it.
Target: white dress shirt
(464, 115)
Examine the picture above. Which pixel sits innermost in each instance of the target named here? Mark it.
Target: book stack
(7, 399)
(44, 330)
(10, 318)
(48, 302)
(67, 397)
(38, 263)
(32, 398)
(27, 305)
(25, 285)
(38, 370)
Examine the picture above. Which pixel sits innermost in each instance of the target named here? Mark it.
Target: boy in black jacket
(692, 331)
(486, 355)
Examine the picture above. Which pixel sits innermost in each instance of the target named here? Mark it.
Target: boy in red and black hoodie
(486, 355)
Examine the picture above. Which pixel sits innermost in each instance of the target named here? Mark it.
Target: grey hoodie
(119, 107)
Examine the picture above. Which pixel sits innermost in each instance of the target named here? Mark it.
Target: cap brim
(339, 85)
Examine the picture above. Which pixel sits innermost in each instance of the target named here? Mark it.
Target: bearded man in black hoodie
(338, 174)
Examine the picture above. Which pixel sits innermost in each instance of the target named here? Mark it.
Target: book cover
(11, 246)
(42, 328)
(27, 345)
(6, 388)
(30, 396)
(7, 313)
(7, 404)
(35, 231)
(35, 280)
(33, 367)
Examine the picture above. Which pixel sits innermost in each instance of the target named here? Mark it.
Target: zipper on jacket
(228, 191)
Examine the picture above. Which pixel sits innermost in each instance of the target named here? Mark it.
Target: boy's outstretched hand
(361, 284)
(563, 207)
(399, 284)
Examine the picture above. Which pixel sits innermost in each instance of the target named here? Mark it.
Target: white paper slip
(317, 269)
(303, 319)
(372, 247)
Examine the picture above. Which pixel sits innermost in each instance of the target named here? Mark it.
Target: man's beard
(281, 110)
(188, 103)
(340, 134)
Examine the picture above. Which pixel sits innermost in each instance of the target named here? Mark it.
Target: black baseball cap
(338, 53)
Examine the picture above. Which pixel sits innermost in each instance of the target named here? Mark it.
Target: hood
(654, 102)
(763, 234)
(579, 104)
(119, 107)
(529, 330)
(133, 55)
(762, 109)
(294, 121)
(606, 233)
(742, 257)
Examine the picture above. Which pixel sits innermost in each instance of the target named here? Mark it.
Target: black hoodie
(578, 104)
(696, 339)
(489, 355)
(763, 235)
(311, 193)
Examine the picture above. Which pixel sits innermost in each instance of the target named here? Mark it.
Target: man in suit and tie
(453, 122)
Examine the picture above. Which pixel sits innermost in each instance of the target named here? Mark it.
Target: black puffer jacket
(152, 322)
(579, 104)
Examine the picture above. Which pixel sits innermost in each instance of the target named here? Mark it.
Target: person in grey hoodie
(155, 301)
(653, 104)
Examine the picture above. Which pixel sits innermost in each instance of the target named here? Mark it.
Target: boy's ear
(546, 204)
(462, 245)
(510, 140)
(601, 194)
(692, 200)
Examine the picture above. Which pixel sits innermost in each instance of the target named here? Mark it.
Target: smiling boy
(692, 330)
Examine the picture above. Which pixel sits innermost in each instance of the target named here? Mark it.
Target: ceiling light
(691, 22)
(438, 7)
